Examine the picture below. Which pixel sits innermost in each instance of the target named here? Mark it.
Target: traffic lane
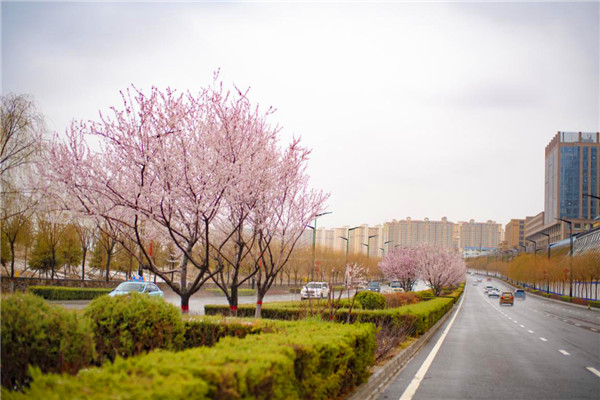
(576, 339)
(484, 356)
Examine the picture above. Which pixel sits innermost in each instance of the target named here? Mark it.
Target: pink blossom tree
(181, 168)
(400, 264)
(440, 267)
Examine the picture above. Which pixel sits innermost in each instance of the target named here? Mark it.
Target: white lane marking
(414, 384)
(577, 325)
(543, 339)
(522, 326)
(593, 371)
(564, 352)
(530, 331)
(595, 330)
(515, 322)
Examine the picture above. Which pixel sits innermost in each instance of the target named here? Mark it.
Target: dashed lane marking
(563, 352)
(522, 326)
(543, 339)
(530, 331)
(593, 371)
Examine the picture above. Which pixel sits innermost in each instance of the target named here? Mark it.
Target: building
(411, 233)
(572, 179)
(481, 236)
(514, 234)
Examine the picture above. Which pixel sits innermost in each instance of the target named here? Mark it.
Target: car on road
(487, 289)
(507, 298)
(519, 294)
(494, 293)
(317, 290)
(374, 287)
(137, 287)
(396, 287)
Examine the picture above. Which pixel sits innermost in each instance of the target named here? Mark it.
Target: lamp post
(348, 241)
(548, 236)
(523, 247)
(368, 241)
(383, 248)
(571, 258)
(590, 196)
(314, 243)
(534, 246)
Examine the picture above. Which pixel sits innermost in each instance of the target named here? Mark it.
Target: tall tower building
(515, 234)
(571, 171)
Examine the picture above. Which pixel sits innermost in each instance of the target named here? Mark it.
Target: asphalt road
(537, 349)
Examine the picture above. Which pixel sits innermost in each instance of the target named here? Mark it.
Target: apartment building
(481, 236)
(514, 234)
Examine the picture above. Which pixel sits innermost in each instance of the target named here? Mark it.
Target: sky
(421, 110)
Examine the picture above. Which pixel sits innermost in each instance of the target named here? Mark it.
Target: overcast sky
(411, 109)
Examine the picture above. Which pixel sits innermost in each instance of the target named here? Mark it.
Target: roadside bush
(241, 292)
(48, 337)
(580, 301)
(566, 298)
(393, 300)
(594, 303)
(304, 360)
(425, 295)
(371, 300)
(132, 324)
(207, 331)
(67, 293)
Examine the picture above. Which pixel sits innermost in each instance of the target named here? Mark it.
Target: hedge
(371, 300)
(133, 324)
(67, 293)
(417, 317)
(304, 360)
(50, 337)
(207, 331)
(241, 292)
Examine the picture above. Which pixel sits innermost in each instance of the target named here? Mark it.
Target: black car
(374, 287)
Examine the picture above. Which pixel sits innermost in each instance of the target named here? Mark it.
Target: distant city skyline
(429, 110)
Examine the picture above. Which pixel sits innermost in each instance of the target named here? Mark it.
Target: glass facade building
(572, 171)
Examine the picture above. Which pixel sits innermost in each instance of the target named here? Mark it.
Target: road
(537, 349)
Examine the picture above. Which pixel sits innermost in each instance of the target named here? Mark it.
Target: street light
(383, 248)
(314, 228)
(534, 246)
(571, 262)
(348, 241)
(368, 241)
(548, 236)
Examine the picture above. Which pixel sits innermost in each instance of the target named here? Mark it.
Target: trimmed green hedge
(303, 360)
(418, 318)
(371, 300)
(67, 293)
(241, 292)
(207, 331)
(49, 337)
(133, 324)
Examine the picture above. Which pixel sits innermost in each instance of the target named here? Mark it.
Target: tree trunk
(108, 254)
(259, 301)
(233, 301)
(83, 263)
(12, 259)
(185, 302)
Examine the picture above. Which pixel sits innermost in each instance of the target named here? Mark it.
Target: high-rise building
(571, 171)
(411, 233)
(572, 185)
(515, 234)
(481, 236)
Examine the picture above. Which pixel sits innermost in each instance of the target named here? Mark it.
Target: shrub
(371, 300)
(425, 295)
(207, 331)
(241, 292)
(48, 337)
(566, 298)
(305, 360)
(594, 303)
(393, 300)
(132, 324)
(67, 293)
(580, 301)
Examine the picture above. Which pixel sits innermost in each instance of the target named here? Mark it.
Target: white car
(315, 290)
(395, 285)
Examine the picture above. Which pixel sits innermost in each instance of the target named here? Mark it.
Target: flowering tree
(180, 168)
(400, 264)
(281, 216)
(439, 267)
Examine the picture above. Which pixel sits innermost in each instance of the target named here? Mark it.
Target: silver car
(137, 286)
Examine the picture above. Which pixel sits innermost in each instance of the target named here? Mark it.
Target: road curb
(384, 374)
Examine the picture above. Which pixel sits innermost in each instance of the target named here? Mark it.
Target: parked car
(315, 290)
(519, 294)
(494, 293)
(137, 286)
(374, 287)
(396, 287)
(507, 298)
